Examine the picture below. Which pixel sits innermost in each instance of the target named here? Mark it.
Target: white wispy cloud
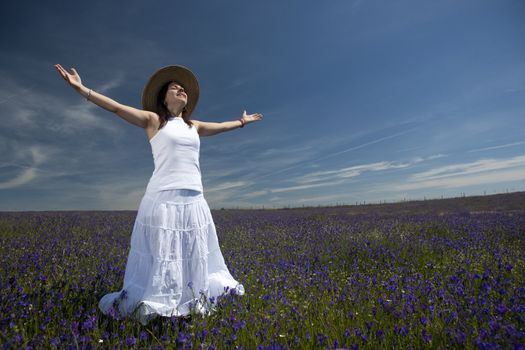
(482, 165)
(345, 197)
(53, 121)
(38, 156)
(35, 109)
(270, 152)
(337, 176)
(308, 186)
(357, 170)
(497, 147)
(463, 181)
(124, 194)
(482, 171)
(332, 154)
(113, 83)
(21, 179)
(227, 185)
(256, 193)
(349, 172)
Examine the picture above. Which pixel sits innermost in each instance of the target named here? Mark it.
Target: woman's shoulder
(153, 120)
(153, 125)
(195, 123)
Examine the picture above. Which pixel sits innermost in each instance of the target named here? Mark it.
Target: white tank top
(175, 150)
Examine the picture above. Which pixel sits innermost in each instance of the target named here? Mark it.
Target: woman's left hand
(249, 118)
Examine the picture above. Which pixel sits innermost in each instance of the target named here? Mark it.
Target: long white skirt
(175, 263)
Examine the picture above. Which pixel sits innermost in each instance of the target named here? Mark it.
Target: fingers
(251, 117)
(64, 73)
(61, 71)
(60, 68)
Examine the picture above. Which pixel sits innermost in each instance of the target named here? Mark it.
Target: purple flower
(214, 331)
(131, 341)
(84, 339)
(501, 308)
(74, 328)
(426, 336)
(321, 338)
(202, 335)
(460, 337)
(494, 326)
(238, 325)
(513, 332)
(483, 333)
(90, 323)
(113, 312)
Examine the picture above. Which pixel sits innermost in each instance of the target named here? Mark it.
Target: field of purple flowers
(363, 277)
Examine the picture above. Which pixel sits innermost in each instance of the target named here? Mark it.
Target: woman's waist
(177, 170)
(177, 196)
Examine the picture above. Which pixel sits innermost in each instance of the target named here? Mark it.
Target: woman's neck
(176, 114)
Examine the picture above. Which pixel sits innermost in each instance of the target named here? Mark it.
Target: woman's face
(176, 95)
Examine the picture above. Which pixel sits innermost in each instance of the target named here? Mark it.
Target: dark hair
(163, 111)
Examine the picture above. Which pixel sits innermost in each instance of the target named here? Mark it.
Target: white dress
(175, 262)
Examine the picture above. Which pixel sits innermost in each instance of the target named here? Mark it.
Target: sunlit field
(434, 274)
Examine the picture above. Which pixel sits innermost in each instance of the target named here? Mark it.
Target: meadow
(423, 275)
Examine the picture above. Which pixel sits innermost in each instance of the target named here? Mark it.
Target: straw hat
(181, 75)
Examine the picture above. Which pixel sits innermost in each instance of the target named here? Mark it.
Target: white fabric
(175, 148)
(174, 242)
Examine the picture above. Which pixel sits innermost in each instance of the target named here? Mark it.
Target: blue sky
(362, 100)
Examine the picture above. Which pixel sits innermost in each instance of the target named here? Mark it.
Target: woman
(175, 264)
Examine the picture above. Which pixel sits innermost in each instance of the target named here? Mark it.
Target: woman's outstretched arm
(132, 115)
(211, 128)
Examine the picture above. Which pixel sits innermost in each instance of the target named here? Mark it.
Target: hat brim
(181, 75)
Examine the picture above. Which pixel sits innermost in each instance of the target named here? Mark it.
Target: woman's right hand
(73, 79)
